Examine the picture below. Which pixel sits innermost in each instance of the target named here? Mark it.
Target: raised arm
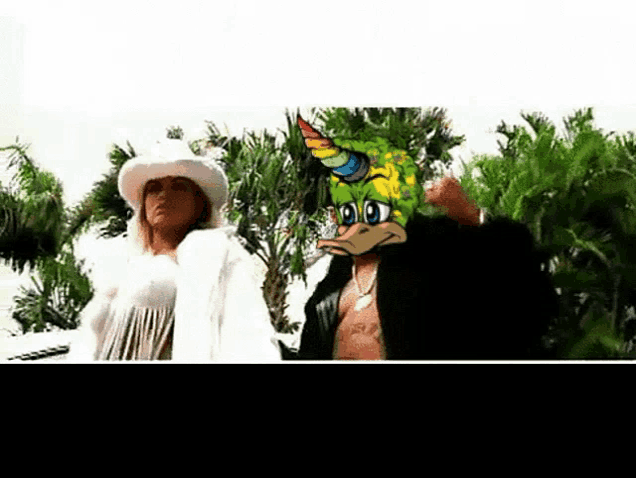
(448, 195)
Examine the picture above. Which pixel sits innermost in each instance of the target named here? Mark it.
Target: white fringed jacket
(211, 293)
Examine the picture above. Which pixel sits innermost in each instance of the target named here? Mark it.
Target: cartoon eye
(349, 213)
(376, 212)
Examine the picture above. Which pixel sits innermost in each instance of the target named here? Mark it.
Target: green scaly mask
(374, 188)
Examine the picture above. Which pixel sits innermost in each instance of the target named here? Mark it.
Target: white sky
(76, 76)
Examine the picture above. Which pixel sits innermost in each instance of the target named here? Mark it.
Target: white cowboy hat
(172, 157)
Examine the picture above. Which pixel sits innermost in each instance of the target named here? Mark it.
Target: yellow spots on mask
(410, 180)
(373, 153)
(400, 157)
(389, 188)
(335, 183)
(398, 217)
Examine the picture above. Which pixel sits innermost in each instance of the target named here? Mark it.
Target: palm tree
(34, 235)
(32, 211)
(276, 206)
(425, 134)
(103, 206)
(577, 194)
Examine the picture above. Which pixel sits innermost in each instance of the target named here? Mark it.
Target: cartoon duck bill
(364, 222)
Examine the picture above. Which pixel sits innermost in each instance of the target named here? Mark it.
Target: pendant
(362, 302)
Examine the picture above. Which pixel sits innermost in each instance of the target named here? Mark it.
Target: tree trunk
(275, 294)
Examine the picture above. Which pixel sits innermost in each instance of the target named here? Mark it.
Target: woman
(188, 292)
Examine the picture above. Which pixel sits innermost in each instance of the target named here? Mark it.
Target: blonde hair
(139, 231)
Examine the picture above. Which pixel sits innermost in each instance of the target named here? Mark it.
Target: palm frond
(577, 195)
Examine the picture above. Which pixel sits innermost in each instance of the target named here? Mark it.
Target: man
(407, 286)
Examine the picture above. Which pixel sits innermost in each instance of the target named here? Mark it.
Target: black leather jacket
(450, 292)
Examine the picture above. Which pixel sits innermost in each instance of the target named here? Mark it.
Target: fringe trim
(139, 333)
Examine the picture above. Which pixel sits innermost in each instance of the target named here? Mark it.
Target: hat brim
(138, 171)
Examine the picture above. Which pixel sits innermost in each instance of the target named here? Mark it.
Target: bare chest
(359, 333)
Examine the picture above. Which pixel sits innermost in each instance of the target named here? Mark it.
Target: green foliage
(269, 205)
(425, 135)
(174, 132)
(32, 212)
(577, 194)
(312, 174)
(596, 339)
(34, 233)
(103, 205)
(59, 291)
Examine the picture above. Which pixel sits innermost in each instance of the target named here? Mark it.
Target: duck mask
(374, 190)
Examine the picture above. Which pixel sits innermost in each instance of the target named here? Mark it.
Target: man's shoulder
(336, 277)
(498, 229)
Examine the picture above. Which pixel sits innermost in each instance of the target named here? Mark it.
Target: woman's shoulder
(222, 242)
(205, 235)
(202, 240)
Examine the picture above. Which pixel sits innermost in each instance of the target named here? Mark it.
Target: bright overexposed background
(77, 76)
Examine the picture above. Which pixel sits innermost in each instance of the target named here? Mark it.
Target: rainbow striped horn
(349, 165)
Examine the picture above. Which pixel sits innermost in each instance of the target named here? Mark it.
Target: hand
(448, 195)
